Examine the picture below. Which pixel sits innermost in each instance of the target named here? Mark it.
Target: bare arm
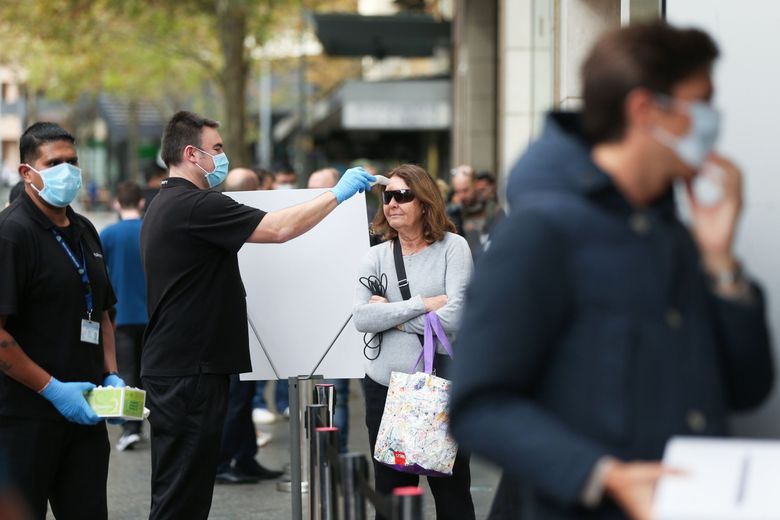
(17, 365)
(109, 343)
(281, 226)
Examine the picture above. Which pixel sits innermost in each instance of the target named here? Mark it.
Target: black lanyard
(80, 268)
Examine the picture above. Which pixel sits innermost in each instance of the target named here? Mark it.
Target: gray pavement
(128, 481)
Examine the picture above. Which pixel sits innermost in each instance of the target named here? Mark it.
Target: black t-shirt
(197, 305)
(43, 297)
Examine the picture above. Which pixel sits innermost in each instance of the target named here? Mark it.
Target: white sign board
(747, 80)
(725, 479)
(300, 294)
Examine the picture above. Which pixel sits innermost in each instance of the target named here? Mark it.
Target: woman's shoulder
(378, 251)
(454, 240)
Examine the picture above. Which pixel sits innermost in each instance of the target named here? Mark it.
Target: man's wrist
(595, 486)
(110, 373)
(44, 387)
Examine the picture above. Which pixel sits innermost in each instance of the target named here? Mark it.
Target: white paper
(725, 479)
(299, 294)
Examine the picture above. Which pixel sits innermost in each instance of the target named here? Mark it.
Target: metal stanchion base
(285, 486)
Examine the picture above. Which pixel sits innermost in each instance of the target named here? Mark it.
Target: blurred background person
(122, 251)
(265, 178)
(242, 179)
(485, 184)
(285, 177)
(473, 216)
(438, 268)
(324, 178)
(153, 174)
(598, 326)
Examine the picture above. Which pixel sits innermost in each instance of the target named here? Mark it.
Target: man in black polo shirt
(56, 339)
(197, 332)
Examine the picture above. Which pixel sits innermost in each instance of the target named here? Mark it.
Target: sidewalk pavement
(129, 477)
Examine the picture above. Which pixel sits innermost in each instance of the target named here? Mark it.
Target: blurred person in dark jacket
(473, 216)
(598, 326)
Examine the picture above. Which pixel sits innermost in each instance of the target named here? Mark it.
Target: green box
(120, 403)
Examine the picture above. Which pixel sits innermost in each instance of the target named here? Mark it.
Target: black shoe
(254, 469)
(234, 476)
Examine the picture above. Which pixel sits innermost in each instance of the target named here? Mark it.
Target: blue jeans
(281, 395)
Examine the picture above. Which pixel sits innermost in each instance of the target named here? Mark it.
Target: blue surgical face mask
(61, 184)
(216, 176)
(693, 147)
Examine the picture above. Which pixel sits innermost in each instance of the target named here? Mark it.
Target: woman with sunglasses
(438, 267)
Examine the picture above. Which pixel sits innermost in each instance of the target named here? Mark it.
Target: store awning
(400, 105)
(405, 35)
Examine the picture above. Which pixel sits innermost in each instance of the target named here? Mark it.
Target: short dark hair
(486, 176)
(153, 171)
(655, 56)
(183, 129)
(129, 195)
(38, 134)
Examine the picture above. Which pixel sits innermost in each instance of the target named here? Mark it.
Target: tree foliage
(172, 52)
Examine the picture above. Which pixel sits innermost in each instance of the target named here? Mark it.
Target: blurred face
(486, 190)
(463, 190)
(674, 117)
(284, 180)
(403, 217)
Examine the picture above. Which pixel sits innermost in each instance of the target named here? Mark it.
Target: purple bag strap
(432, 327)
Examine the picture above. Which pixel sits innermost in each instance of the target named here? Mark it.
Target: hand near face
(714, 225)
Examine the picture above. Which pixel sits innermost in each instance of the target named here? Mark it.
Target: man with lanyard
(56, 339)
(197, 333)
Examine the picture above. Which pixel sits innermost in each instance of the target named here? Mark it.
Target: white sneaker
(286, 413)
(263, 438)
(263, 416)
(127, 441)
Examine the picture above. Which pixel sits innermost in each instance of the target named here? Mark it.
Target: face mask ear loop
(39, 175)
(212, 160)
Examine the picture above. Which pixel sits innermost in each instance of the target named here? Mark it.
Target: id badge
(90, 332)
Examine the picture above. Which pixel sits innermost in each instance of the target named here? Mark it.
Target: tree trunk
(232, 27)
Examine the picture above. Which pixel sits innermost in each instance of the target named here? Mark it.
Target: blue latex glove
(354, 180)
(114, 380)
(68, 399)
(117, 382)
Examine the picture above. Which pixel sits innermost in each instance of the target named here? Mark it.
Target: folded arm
(460, 267)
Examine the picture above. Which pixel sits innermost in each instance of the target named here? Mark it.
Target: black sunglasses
(400, 196)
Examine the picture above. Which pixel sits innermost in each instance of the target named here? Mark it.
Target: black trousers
(62, 462)
(239, 441)
(129, 342)
(451, 494)
(187, 416)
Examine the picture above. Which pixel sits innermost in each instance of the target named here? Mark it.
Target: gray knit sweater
(443, 267)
